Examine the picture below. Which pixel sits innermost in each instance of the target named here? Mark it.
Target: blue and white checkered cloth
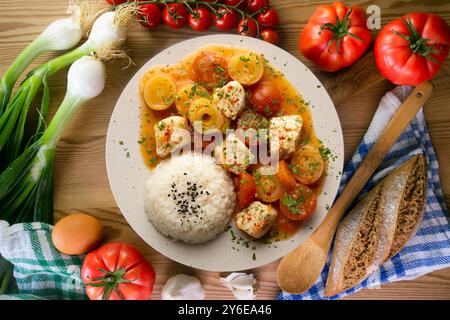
(429, 249)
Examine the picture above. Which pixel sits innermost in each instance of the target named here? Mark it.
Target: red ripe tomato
(175, 15)
(235, 3)
(150, 15)
(117, 271)
(246, 189)
(335, 36)
(226, 19)
(200, 19)
(412, 49)
(270, 36)
(255, 5)
(116, 2)
(298, 205)
(265, 98)
(268, 18)
(247, 27)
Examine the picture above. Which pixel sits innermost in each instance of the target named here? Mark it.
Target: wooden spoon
(299, 270)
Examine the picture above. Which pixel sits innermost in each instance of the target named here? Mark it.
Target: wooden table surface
(81, 183)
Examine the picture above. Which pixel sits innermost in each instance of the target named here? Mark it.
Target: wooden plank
(80, 176)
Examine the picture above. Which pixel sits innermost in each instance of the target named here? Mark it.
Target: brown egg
(77, 233)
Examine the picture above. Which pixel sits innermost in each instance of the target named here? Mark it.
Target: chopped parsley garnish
(293, 204)
(324, 152)
(294, 168)
(244, 59)
(161, 125)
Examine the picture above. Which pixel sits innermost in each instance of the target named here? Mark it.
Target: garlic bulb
(183, 287)
(242, 285)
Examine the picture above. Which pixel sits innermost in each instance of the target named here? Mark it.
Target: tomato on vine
(270, 36)
(226, 19)
(256, 5)
(116, 2)
(200, 19)
(150, 15)
(268, 18)
(175, 15)
(233, 3)
(247, 27)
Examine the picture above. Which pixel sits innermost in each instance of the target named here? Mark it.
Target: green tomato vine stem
(213, 6)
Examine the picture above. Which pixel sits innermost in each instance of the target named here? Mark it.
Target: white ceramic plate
(128, 174)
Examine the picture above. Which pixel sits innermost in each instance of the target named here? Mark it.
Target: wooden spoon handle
(403, 116)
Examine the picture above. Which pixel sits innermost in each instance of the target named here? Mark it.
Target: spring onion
(26, 186)
(108, 33)
(60, 35)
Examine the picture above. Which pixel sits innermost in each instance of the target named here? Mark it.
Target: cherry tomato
(175, 15)
(270, 36)
(117, 271)
(335, 36)
(255, 5)
(226, 19)
(235, 3)
(210, 69)
(116, 2)
(268, 18)
(246, 189)
(265, 98)
(150, 15)
(412, 49)
(247, 27)
(201, 19)
(299, 204)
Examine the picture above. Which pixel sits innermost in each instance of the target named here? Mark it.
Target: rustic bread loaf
(355, 244)
(379, 226)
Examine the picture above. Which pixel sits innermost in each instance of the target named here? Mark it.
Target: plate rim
(221, 41)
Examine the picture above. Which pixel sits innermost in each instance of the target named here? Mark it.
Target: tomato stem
(110, 281)
(340, 30)
(417, 44)
(213, 6)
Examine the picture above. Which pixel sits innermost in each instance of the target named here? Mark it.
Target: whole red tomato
(265, 98)
(268, 18)
(412, 49)
(255, 5)
(247, 27)
(335, 36)
(175, 15)
(270, 36)
(150, 15)
(117, 271)
(226, 19)
(200, 19)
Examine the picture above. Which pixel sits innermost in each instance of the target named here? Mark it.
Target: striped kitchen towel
(40, 270)
(429, 249)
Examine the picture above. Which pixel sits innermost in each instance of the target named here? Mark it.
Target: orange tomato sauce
(292, 103)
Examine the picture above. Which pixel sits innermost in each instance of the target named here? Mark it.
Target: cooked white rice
(190, 198)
